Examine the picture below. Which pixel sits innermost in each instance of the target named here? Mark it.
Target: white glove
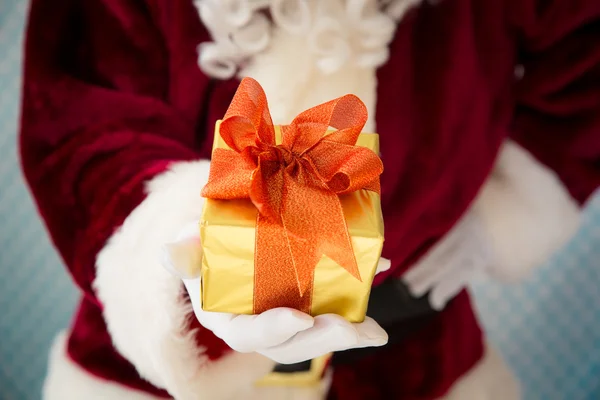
(452, 263)
(521, 216)
(284, 335)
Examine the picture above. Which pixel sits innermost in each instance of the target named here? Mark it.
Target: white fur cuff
(526, 211)
(145, 311)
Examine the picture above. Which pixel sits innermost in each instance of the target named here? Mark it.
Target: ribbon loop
(347, 114)
(247, 121)
(295, 186)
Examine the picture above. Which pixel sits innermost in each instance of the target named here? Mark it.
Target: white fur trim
(144, 309)
(68, 381)
(527, 213)
(490, 379)
(339, 32)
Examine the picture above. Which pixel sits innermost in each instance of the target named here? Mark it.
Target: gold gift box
(228, 229)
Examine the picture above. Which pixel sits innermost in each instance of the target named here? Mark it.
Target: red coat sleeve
(558, 100)
(100, 116)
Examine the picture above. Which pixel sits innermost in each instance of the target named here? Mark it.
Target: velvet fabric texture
(113, 94)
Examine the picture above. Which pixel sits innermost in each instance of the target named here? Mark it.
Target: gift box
(282, 229)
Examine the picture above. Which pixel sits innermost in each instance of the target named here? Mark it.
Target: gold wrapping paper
(227, 231)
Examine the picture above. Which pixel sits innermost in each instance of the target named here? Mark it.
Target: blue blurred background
(548, 328)
(36, 295)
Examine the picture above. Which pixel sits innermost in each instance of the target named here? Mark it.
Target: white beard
(337, 32)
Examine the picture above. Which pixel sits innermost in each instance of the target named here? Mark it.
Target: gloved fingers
(193, 288)
(419, 283)
(183, 258)
(466, 264)
(248, 333)
(464, 245)
(189, 230)
(383, 265)
(330, 333)
(370, 334)
(428, 268)
(449, 287)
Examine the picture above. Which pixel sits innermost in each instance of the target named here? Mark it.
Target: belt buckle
(300, 375)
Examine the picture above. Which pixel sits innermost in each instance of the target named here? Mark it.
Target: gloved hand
(464, 253)
(284, 335)
(512, 227)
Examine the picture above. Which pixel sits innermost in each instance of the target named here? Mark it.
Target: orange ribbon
(295, 187)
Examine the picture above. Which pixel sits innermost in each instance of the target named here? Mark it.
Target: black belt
(397, 311)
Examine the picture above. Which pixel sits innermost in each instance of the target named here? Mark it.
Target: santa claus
(489, 119)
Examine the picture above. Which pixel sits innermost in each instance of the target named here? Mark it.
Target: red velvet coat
(113, 94)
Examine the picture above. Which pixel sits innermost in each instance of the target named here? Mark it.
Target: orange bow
(295, 186)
